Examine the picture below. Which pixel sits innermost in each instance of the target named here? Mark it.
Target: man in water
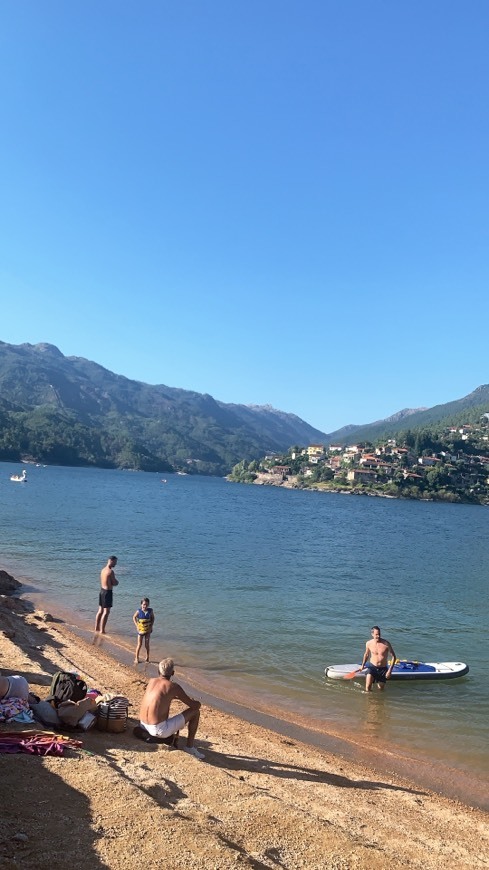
(376, 658)
(154, 714)
(107, 582)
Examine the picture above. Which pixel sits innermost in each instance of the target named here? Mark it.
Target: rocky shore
(258, 800)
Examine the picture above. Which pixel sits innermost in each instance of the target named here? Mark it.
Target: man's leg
(98, 618)
(192, 718)
(368, 682)
(193, 724)
(103, 621)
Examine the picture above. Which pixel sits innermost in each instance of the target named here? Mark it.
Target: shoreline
(268, 480)
(261, 798)
(440, 777)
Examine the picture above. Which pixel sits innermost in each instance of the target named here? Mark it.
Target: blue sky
(272, 202)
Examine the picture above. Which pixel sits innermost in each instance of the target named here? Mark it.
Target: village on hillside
(449, 465)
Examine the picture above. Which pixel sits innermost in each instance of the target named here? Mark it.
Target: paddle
(352, 674)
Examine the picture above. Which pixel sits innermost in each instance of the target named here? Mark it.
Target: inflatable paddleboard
(405, 670)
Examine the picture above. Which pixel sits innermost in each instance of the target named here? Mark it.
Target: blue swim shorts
(377, 673)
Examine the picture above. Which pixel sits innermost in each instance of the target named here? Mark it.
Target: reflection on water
(377, 722)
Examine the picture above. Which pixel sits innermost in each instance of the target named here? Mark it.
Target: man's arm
(366, 656)
(182, 696)
(393, 661)
(114, 580)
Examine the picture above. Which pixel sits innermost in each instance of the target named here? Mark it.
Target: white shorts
(165, 729)
(18, 688)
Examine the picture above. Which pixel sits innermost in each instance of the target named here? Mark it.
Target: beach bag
(112, 713)
(71, 713)
(66, 686)
(44, 712)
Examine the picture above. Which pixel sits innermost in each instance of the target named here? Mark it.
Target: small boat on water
(19, 478)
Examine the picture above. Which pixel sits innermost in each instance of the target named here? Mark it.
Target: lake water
(257, 589)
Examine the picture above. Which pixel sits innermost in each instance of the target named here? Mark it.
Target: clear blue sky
(268, 201)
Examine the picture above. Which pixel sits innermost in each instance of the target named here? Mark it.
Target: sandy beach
(258, 800)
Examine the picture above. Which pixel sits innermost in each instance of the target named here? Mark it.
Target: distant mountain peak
(400, 415)
(44, 347)
(268, 408)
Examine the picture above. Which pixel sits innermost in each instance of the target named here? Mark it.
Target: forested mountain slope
(71, 410)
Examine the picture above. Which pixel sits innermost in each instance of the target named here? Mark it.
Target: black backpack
(66, 687)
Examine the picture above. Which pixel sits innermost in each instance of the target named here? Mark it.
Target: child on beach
(143, 620)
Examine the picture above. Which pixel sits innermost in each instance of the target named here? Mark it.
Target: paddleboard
(405, 670)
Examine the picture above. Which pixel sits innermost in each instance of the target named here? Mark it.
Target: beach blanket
(11, 708)
(36, 742)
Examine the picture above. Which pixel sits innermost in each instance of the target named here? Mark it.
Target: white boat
(19, 478)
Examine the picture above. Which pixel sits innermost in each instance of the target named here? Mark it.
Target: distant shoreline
(263, 479)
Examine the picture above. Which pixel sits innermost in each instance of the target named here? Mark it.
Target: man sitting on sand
(155, 708)
(377, 651)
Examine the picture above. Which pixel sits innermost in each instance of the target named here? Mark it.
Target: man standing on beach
(376, 657)
(107, 582)
(154, 714)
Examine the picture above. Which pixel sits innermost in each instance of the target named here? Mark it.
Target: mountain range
(69, 410)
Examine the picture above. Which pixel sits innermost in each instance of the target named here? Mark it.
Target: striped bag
(112, 713)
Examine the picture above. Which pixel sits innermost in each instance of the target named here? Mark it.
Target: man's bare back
(107, 577)
(160, 692)
(154, 713)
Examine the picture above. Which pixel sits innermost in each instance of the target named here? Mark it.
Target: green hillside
(466, 410)
(68, 410)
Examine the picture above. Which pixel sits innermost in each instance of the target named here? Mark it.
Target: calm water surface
(257, 589)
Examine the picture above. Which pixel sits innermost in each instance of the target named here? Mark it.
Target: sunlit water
(257, 589)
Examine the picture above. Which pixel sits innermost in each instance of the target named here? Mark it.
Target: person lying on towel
(14, 687)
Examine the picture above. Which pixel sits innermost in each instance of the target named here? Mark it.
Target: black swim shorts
(377, 673)
(105, 598)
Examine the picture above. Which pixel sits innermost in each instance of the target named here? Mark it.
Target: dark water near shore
(257, 589)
